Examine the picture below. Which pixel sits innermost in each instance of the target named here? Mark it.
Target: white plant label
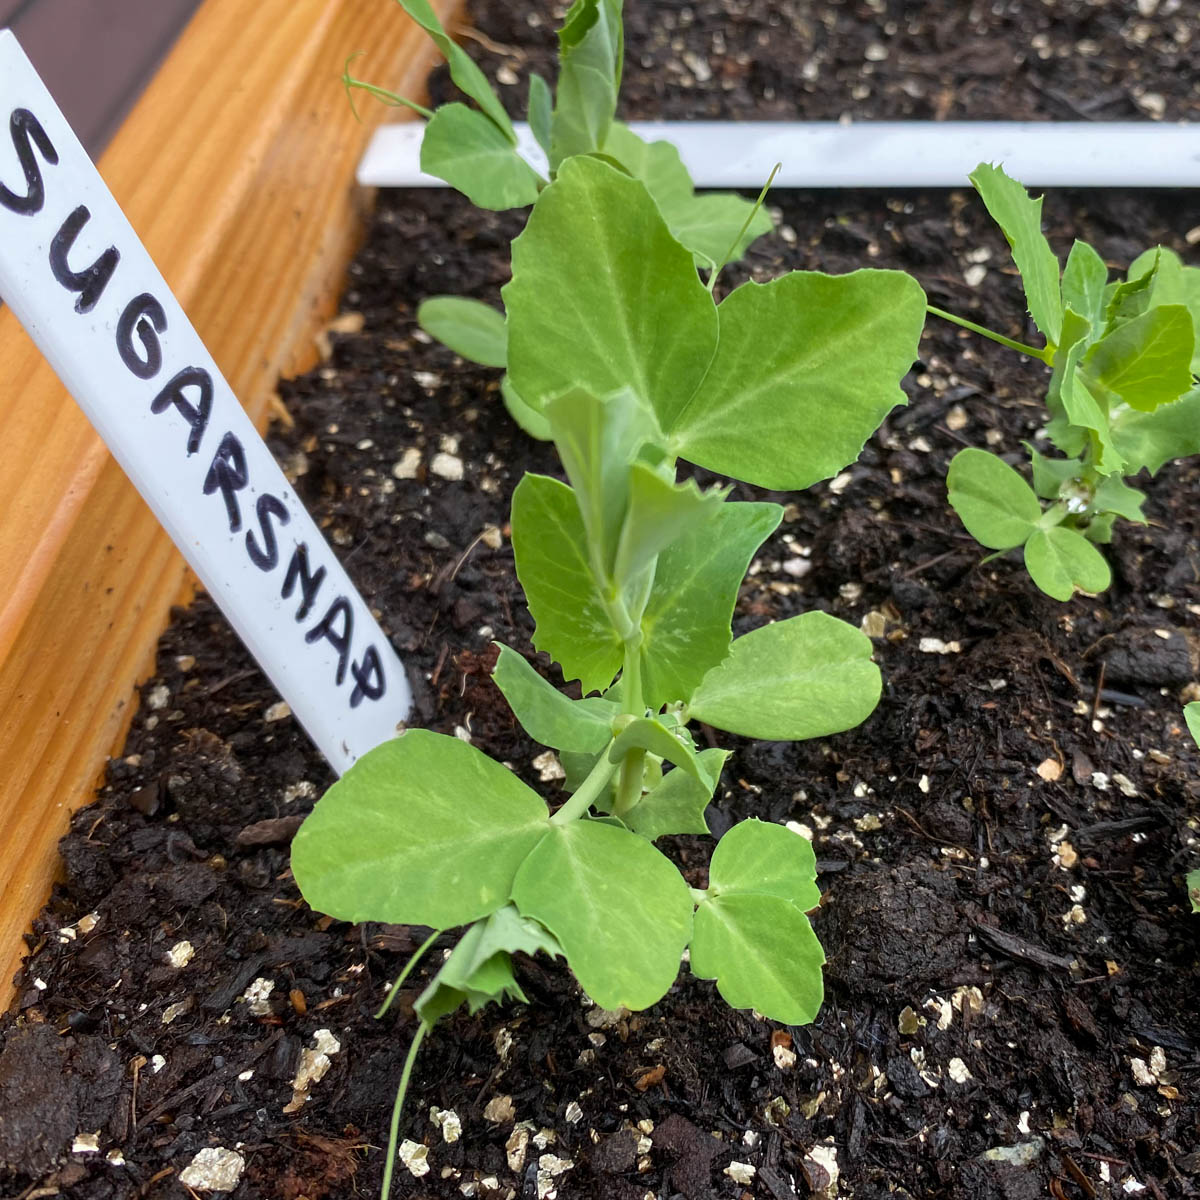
(80, 281)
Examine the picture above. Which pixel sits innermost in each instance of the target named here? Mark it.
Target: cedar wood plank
(236, 169)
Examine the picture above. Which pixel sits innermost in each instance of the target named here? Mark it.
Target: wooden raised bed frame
(236, 169)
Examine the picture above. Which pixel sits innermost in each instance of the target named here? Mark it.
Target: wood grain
(236, 169)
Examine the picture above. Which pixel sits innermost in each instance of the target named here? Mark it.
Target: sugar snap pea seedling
(618, 344)
(1122, 397)
(475, 151)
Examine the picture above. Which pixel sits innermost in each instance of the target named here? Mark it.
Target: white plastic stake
(871, 154)
(83, 285)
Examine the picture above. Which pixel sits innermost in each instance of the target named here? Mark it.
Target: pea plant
(475, 150)
(618, 344)
(1122, 397)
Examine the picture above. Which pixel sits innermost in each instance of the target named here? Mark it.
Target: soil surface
(1013, 972)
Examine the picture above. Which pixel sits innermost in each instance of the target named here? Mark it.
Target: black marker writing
(27, 132)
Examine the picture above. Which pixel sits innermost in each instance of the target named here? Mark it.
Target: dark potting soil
(1013, 975)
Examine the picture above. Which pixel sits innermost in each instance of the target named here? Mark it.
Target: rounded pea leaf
(805, 677)
(686, 623)
(1191, 714)
(529, 419)
(806, 368)
(1059, 560)
(620, 910)
(1083, 282)
(1146, 361)
(603, 297)
(423, 830)
(1150, 439)
(550, 545)
(706, 224)
(464, 147)
(763, 954)
(470, 328)
(766, 859)
(999, 509)
(549, 716)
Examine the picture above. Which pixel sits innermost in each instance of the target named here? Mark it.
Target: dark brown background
(96, 55)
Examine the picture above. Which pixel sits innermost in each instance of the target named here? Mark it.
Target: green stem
(588, 791)
(1054, 515)
(394, 990)
(631, 676)
(389, 98)
(397, 1107)
(1043, 355)
(632, 778)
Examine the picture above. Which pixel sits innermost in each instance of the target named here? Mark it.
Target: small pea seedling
(615, 341)
(1122, 397)
(475, 151)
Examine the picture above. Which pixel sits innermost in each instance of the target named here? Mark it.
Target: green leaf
(507, 929)
(423, 830)
(708, 224)
(1131, 298)
(1146, 361)
(686, 622)
(1114, 495)
(998, 507)
(766, 859)
(1020, 217)
(1100, 528)
(677, 804)
(763, 954)
(649, 733)
(1191, 297)
(656, 164)
(550, 545)
(1193, 887)
(466, 75)
(1191, 714)
(603, 297)
(660, 512)
(1083, 283)
(541, 106)
(705, 224)
(806, 368)
(1059, 560)
(1167, 276)
(620, 910)
(465, 149)
(1049, 474)
(549, 717)
(1149, 439)
(470, 328)
(805, 677)
(529, 419)
(1070, 396)
(479, 969)
(590, 49)
(598, 439)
